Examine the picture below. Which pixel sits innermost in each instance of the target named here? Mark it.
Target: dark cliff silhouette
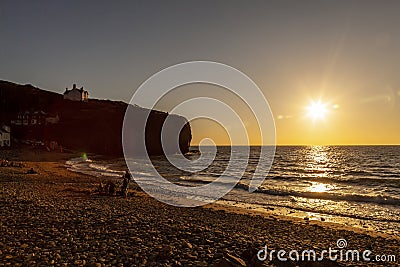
(93, 126)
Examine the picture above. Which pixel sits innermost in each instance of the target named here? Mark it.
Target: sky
(344, 54)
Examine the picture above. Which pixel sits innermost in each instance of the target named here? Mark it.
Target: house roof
(76, 89)
(27, 112)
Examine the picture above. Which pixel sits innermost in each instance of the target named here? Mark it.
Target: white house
(76, 94)
(37, 117)
(30, 118)
(5, 138)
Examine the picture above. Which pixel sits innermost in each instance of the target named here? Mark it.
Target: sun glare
(321, 188)
(317, 110)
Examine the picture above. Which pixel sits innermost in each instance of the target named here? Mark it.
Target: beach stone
(229, 261)
(188, 245)
(192, 257)
(165, 252)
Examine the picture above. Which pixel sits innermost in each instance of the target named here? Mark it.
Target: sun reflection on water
(320, 187)
(317, 161)
(319, 164)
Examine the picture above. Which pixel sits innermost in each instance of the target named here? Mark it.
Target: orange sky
(344, 53)
(350, 117)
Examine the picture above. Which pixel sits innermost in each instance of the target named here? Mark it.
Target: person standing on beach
(124, 189)
(128, 176)
(110, 188)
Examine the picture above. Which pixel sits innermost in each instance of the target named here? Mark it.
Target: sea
(355, 186)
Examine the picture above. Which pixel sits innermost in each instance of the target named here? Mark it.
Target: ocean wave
(88, 166)
(77, 160)
(104, 168)
(379, 199)
(332, 212)
(392, 180)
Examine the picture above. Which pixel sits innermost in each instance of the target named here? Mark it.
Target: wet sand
(54, 218)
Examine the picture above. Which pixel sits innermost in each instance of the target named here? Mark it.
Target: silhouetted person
(111, 188)
(124, 189)
(127, 176)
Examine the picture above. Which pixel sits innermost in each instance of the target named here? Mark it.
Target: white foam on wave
(88, 166)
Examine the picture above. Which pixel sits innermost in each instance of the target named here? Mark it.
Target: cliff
(93, 126)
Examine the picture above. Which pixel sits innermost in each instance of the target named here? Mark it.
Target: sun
(317, 110)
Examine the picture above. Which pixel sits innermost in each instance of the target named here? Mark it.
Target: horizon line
(306, 145)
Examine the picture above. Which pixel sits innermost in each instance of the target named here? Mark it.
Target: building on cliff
(76, 94)
(5, 136)
(30, 118)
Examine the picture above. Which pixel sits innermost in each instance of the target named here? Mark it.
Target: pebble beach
(54, 218)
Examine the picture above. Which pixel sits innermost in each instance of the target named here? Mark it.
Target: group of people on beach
(110, 187)
(7, 163)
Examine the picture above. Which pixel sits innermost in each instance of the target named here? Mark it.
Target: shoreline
(269, 212)
(53, 212)
(291, 213)
(265, 212)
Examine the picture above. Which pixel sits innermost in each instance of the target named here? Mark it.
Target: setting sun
(317, 110)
